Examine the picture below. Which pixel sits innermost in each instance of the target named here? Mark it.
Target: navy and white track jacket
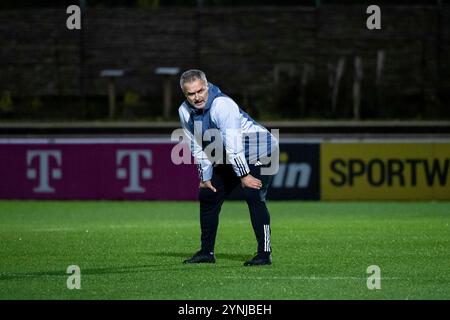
(244, 140)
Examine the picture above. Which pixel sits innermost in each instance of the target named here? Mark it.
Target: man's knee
(254, 195)
(207, 195)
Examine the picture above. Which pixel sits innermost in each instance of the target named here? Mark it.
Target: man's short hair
(192, 75)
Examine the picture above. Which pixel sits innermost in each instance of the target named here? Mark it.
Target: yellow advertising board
(385, 171)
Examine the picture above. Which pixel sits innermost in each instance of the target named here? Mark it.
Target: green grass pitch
(134, 250)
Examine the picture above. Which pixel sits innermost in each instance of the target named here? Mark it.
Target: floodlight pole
(167, 96)
(82, 79)
(112, 74)
(168, 74)
(111, 97)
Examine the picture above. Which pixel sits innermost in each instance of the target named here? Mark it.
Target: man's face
(196, 93)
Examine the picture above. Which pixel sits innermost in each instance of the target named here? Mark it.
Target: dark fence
(277, 62)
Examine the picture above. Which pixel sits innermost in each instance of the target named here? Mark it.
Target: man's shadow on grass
(225, 256)
(163, 267)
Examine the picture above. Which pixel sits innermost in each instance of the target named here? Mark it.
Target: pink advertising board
(89, 169)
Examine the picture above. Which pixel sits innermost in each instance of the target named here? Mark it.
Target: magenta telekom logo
(134, 172)
(44, 172)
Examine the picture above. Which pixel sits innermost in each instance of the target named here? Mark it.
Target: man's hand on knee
(207, 185)
(250, 181)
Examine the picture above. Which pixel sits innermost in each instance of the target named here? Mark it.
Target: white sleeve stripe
(238, 166)
(241, 166)
(245, 170)
(200, 171)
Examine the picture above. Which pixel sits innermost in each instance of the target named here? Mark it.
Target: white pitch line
(55, 230)
(64, 229)
(309, 278)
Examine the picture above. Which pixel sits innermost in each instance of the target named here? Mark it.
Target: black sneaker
(259, 260)
(201, 257)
